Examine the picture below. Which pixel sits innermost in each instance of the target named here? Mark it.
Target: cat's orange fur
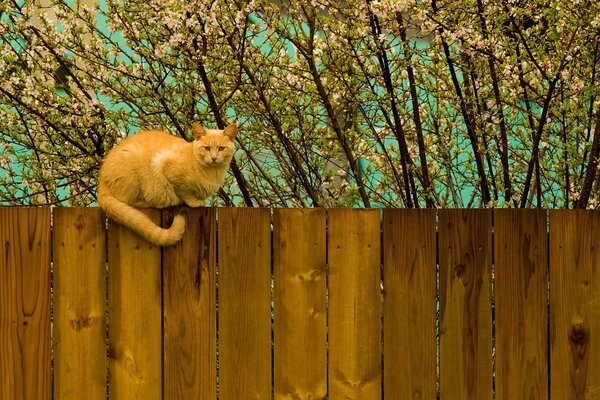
(156, 169)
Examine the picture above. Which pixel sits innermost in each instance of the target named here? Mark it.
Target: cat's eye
(221, 148)
(207, 148)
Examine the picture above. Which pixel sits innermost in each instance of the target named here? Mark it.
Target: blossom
(161, 64)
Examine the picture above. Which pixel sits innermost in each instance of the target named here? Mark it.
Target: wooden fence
(302, 304)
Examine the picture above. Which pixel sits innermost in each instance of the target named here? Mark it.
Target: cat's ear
(198, 131)
(231, 130)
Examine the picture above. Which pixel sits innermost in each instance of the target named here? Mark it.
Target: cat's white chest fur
(161, 189)
(158, 161)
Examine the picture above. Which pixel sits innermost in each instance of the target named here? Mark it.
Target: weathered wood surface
(409, 281)
(79, 241)
(25, 304)
(465, 304)
(135, 320)
(300, 330)
(575, 304)
(521, 295)
(189, 271)
(354, 304)
(244, 262)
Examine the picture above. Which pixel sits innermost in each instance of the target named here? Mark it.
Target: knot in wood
(459, 270)
(80, 223)
(83, 322)
(578, 334)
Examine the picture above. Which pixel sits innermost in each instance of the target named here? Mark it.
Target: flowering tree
(395, 103)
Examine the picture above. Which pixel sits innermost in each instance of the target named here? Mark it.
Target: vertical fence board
(190, 308)
(79, 243)
(575, 304)
(25, 304)
(244, 318)
(409, 319)
(521, 314)
(354, 258)
(299, 266)
(135, 337)
(465, 304)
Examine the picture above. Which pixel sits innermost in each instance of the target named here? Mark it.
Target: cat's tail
(139, 222)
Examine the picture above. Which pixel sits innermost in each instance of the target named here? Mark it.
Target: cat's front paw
(194, 202)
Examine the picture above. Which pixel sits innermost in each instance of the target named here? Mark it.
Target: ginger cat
(157, 169)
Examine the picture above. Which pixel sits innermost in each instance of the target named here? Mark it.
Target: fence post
(465, 254)
(244, 268)
(409, 319)
(521, 309)
(25, 304)
(575, 304)
(135, 319)
(190, 338)
(79, 242)
(300, 312)
(354, 256)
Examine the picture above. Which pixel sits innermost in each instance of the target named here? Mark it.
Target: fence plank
(25, 304)
(244, 318)
(79, 243)
(409, 320)
(465, 304)
(521, 264)
(190, 308)
(135, 344)
(354, 258)
(574, 304)
(300, 331)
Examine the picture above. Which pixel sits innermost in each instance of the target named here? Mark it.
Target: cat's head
(214, 147)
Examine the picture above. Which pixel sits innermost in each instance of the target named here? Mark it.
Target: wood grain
(244, 318)
(304, 366)
(79, 243)
(521, 312)
(354, 257)
(190, 308)
(25, 304)
(135, 317)
(465, 304)
(300, 330)
(409, 319)
(575, 304)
